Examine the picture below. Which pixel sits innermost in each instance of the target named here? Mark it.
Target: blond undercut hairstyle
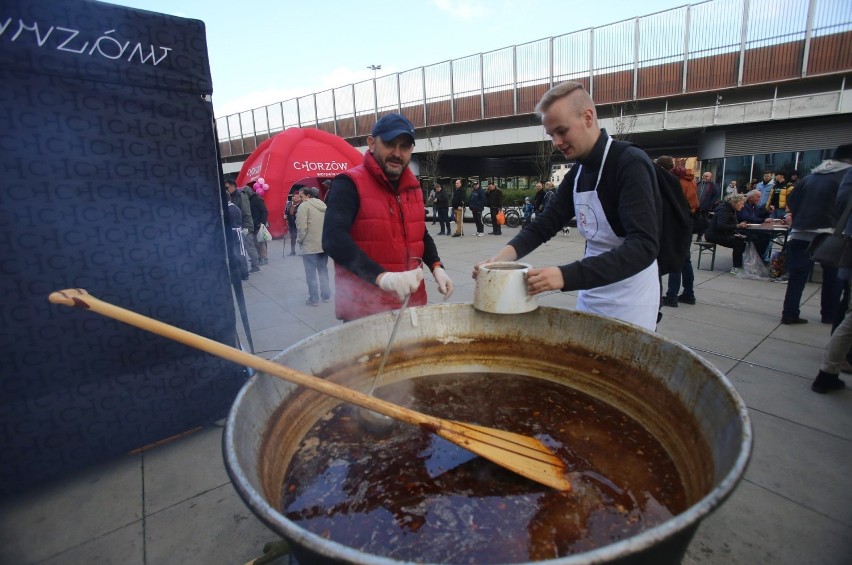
(561, 91)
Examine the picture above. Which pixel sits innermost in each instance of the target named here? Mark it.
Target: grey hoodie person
(812, 202)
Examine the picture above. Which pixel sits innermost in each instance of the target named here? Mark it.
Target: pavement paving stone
(758, 526)
(178, 471)
(123, 546)
(70, 511)
(788, 396)
(213, 528)
(780, 448)
(778, 353)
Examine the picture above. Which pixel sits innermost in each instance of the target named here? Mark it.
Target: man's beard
(393, 174)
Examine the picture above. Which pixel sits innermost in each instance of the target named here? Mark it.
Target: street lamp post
(375, 68)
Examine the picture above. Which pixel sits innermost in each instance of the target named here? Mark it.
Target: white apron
(635, 299)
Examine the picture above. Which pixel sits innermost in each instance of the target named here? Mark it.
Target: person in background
(752, 214)
(241, 200)
(777, 203)
(477, 205)
(259, 215)
(538, 198)
(251, 246)
(618, 277)
(686, 275)
(290, 212)
(794, 178)
(527, 210)
(549, 193)
(442, 204)
(834, 360)
(765, 187)
(459, 199)
(750, 185)
(237, 251)
(708, 197)
(375, 228)
(494, 201)
(430, 201)
(722, 229)
(731, 189)
(309, 223)
(812, 205)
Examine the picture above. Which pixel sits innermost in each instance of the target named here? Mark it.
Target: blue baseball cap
(392, 126)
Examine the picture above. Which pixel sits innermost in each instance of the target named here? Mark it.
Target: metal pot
(501, 288)
(681, 399)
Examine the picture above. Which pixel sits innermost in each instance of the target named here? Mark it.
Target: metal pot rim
(645, 540)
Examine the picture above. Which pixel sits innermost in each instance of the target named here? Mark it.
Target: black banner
(110, 184)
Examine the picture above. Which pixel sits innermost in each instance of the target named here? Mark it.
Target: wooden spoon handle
(82, 299)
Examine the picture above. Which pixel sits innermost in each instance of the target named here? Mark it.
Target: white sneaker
(737, 271)
(479, 234)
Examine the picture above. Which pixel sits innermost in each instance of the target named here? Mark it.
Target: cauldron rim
(684, 524)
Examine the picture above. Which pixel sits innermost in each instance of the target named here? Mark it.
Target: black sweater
(630, 208)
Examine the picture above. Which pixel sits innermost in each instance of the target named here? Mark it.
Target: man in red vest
(375, 228)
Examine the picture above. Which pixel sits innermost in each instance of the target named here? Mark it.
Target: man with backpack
(618, 209)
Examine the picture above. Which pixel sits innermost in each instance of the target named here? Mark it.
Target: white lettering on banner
(106, 46)
(316, 166)
(253, 171)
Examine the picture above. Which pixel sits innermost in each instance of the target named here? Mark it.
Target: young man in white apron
(618, 275)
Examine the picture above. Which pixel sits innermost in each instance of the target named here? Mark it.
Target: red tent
(291, 156)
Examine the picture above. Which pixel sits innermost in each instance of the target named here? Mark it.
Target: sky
(266, 51)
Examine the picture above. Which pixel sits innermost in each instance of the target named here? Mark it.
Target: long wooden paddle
(524, 455)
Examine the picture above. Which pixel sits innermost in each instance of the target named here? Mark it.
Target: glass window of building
(784, 161)
(738, 169)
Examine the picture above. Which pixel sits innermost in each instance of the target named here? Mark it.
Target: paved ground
(175, 504)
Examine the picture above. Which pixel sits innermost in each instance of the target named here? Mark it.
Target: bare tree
(543, 159)
(429, 166)
(624, 118)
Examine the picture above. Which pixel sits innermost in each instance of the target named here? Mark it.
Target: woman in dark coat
(722, 229)
(290, 213)
(442, 203)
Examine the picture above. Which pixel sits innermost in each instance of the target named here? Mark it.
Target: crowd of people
(613, 193)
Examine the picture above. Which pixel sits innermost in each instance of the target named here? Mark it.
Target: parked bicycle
(513, 217)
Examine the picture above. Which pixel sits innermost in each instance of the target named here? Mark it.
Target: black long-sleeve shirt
(494, 198)
(630, 207)
(343, 205)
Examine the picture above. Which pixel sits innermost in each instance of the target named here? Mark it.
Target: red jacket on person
(389, 228)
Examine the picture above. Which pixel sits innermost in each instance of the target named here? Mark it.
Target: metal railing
(700, 47)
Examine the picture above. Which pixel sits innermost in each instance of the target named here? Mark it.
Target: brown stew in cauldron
(413, 496)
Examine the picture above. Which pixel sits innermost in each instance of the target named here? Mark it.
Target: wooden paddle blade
(524, 455)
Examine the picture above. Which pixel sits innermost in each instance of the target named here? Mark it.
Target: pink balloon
(260, 181)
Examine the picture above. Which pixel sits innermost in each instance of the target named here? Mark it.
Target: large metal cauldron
(681, 399)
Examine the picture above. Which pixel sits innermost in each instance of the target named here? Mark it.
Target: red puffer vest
(389, 228)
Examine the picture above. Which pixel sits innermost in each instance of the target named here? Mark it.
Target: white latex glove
(445, 284)
(403, 283)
